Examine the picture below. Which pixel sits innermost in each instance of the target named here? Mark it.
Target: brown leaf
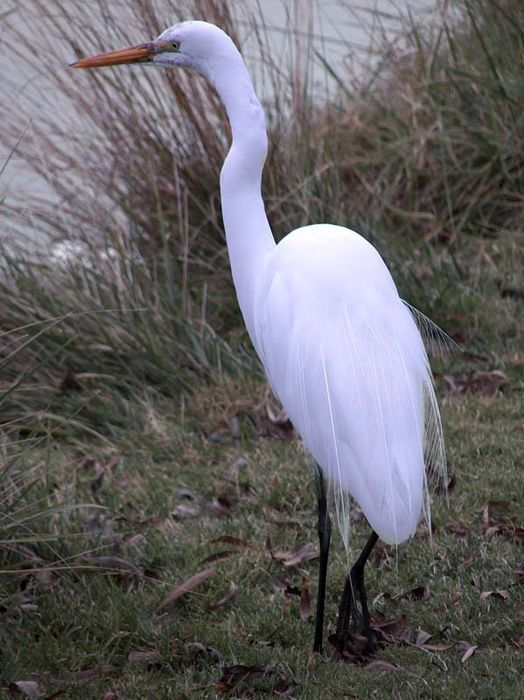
(466, 651)
(380, 665)
(108, 696)
(229, 595)
(143, 656)
(187, 510)
(28, 607)
(304, 553)
(186, 587)
(235, 676)
(134, 539)
(275, 424)
(281, 418)
(31, 689)
(219, 556)
(283, 688)
(422, 637)
(502, 594)
(355, 647)
(394, 630)
(185, 492)
(305, 601)
(435, 647)
(487, 383)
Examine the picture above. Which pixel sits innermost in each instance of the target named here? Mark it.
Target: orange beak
(135, 54)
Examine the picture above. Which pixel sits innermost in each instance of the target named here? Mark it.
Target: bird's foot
(355, 647)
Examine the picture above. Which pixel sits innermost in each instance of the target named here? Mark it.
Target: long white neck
(248, 234)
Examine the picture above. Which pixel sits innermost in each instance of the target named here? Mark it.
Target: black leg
(324, 536)
(355, 584)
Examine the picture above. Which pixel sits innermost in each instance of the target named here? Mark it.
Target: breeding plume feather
(341, 350)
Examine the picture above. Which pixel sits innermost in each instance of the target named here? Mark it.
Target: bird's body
(344, 356)
(340, 348)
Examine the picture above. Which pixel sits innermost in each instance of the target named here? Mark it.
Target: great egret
(341, 350)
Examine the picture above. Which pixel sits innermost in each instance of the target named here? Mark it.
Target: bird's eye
(175, 45)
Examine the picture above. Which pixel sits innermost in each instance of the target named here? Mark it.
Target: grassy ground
(95, 534)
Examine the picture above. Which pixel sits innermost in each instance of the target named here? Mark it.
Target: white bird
(342, 351)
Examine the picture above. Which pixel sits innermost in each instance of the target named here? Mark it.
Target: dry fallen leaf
(186, 510)
(305, 600)
(186, 587)
(304, 553)
(234, 677)
(380, 665)
(422, 637)
(502, 594)
(355, 649)
(394, 631)
(143, 656)
(466, 650)
(219, 556)
(283, 688)
(435, 647)
(31, 689)
(488, 383)
(275, 424)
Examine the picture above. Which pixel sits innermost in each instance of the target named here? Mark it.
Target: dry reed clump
(84, 339)
(433, 142)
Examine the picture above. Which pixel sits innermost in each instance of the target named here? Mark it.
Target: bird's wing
(346, 360)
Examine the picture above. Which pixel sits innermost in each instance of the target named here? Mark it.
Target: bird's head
(195, 44)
